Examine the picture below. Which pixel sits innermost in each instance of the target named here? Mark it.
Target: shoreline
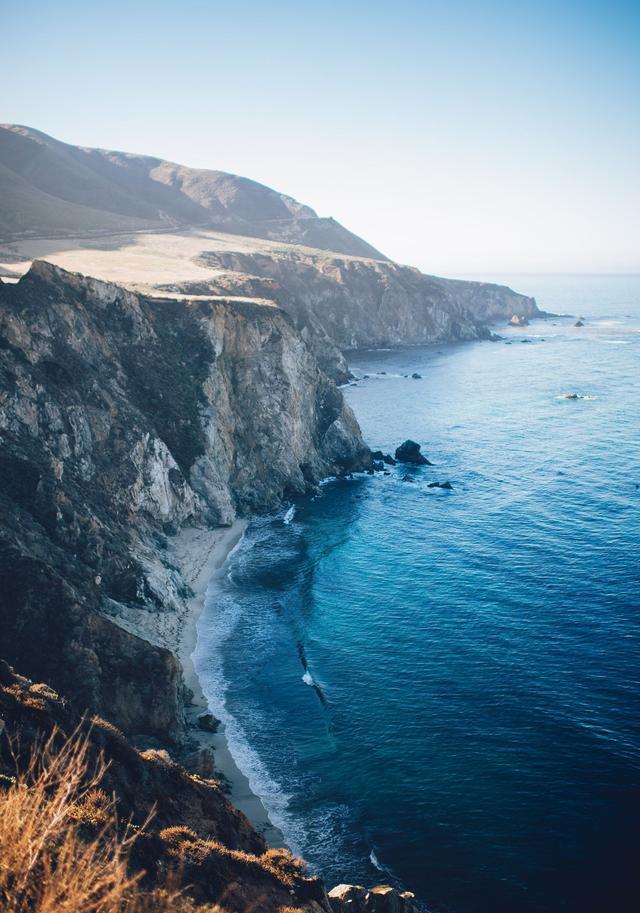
(201, 554)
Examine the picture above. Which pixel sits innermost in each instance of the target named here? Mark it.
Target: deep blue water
(477, 655)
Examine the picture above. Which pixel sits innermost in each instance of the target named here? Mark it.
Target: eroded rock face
(122, 417)
(340, 303)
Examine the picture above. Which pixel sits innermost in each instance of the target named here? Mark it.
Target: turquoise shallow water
(475, 729)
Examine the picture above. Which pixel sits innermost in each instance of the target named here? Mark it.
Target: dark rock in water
(446, 485)
(578, 323)
(377, 466)
(365, 377)
(571, 396)
(416, 376)
(387, 473)
(409, 452)
(208, 722)
(369, 472)
(382, 372)
(385, 457)
(525, 340)
(517, 321)
(408, 479)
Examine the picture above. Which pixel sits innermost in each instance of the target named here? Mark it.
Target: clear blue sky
(457, 136)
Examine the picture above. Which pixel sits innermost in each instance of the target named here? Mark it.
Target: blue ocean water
(444, 684)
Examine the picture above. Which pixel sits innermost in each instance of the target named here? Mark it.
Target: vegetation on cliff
(88, 824)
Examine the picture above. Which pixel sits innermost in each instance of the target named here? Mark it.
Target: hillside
(52, 189)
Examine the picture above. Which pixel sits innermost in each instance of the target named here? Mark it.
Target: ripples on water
(443, 686)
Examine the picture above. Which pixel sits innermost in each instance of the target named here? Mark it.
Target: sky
(460, 137)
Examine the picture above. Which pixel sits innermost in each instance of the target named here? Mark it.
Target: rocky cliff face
(122, 418)
(341, 303)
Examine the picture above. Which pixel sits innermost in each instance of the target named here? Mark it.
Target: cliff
(121, 419)
(340, 303)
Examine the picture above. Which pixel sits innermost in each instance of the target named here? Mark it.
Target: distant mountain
(52, 189)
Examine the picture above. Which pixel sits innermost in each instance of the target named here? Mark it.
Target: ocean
(439, 689)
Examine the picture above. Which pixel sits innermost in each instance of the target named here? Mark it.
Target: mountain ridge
(107, 190)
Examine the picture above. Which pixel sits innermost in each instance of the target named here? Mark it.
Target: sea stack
(409, 452)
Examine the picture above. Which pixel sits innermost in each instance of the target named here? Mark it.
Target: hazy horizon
(479, 139)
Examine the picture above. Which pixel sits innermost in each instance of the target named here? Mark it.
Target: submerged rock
(416, 376)
(408, 479)
(409, 452)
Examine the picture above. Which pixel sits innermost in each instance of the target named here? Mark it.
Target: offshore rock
(385, 457)
(409, 452)
(519, 320)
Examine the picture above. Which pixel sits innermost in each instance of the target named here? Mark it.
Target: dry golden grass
(61, 849)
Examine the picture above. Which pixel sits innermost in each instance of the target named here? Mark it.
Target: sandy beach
(201, 553)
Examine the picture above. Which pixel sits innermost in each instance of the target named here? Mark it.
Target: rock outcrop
(350, 898)
(409, 452)
(121, 419)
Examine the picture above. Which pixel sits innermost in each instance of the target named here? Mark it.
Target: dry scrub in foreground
(62, 849)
